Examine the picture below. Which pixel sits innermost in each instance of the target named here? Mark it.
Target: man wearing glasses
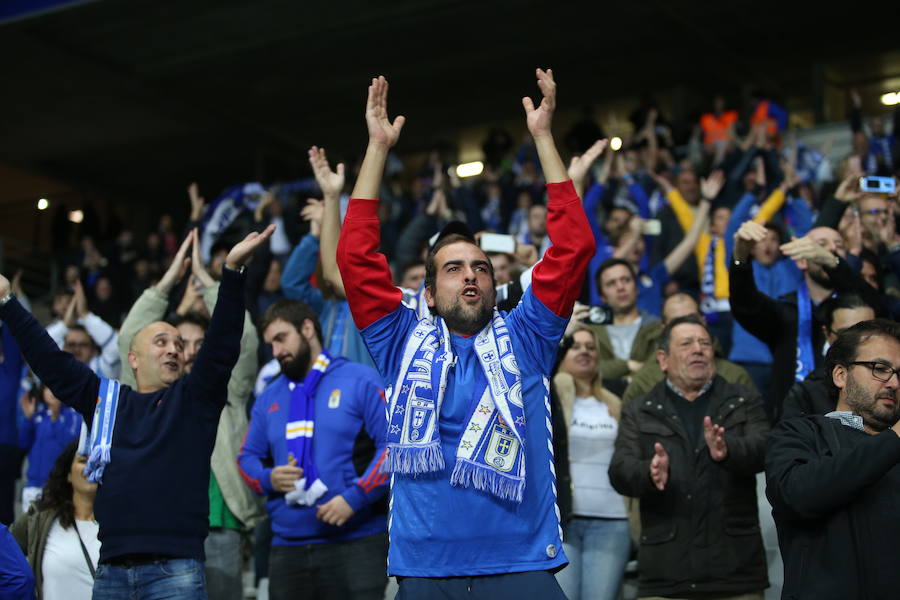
(833, 480)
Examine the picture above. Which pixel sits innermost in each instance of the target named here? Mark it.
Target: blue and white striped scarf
(491, 453)
(300, 430)
(99, 449)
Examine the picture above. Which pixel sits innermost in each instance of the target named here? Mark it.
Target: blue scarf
(299, 433)
(806, 361)
(99, 449)
(491, 453)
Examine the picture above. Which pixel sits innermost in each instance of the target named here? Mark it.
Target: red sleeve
(557, 279)
(367, 278)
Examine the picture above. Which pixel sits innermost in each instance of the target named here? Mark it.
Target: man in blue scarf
(473, 495)
(321, 423)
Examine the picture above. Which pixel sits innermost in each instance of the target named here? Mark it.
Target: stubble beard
(866, 406)
(466, 320)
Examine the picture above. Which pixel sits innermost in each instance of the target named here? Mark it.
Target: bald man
(681, 305)
(152, 502)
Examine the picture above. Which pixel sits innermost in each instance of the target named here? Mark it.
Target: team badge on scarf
(491, 453)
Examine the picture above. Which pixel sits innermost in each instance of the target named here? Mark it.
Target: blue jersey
(437, 530)
(44, 439)
(349, 400)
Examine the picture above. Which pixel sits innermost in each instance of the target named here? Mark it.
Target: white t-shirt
(66, 574)
(592, 435)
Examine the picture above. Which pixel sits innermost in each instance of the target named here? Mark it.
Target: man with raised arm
(150, 446)
(473, 506)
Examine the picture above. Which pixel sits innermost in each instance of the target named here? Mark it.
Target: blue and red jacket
(349, 403)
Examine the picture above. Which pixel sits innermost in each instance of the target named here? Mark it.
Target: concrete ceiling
(136, 98)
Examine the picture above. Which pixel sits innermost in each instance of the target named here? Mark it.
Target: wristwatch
(6, 298)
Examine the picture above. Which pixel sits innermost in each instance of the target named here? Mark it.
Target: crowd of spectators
(769, 244)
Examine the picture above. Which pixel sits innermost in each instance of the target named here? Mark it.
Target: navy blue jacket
(154, 496)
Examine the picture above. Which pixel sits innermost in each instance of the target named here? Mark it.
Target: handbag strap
(87, 557)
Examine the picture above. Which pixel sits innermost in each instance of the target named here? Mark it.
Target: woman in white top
(59, 534)
(596, 540)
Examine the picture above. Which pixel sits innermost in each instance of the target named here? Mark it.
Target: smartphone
(497, 242)
(877, 185)
(599, 315)
(652, 227)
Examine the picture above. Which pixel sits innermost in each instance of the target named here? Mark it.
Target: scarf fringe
(486, 479)
(413, 459)
(97, 461)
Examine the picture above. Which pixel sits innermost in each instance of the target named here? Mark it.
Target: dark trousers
(10, 465)
(531, 585)
(354, 570)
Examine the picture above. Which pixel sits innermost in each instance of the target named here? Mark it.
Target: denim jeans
(529, 585)
(223, 564)
(598, 551)
(180, 578)
(354, 570)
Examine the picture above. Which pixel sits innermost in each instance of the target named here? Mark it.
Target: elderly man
(473, 496)
(150, 446)
(689, 450)
(833, 480)
(790, 327)
(680, 305)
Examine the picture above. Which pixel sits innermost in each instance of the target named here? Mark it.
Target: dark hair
(431, 266)
(665, 338)
(827, 309)
(191, 318)
(609, 263)
(846, 346)
(293, 312)
(57, 492)
(82, 329)
(410, 265)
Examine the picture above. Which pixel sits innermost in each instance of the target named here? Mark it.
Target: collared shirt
(847, 418)
(680, 394)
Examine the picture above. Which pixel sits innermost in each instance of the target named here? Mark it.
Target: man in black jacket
(690, 450)
(810, 396)
(152, 503)
(833, 480)
(820, 255)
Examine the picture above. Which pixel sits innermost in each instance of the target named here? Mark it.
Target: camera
(599, 315)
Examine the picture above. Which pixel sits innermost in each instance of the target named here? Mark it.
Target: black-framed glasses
(880, 371)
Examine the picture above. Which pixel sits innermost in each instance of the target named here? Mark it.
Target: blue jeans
(175, 578)
(598, 551)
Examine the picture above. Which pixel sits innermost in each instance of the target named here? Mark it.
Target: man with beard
(150, 445)
(833, 480)
(233, 508)
(318, 424)
(790, 326)
(473, 498)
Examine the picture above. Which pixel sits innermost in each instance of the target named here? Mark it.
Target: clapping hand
(381, 131)
(539, 120)
(330, 182)
(659, 467)
(241, 252)
(715, 440)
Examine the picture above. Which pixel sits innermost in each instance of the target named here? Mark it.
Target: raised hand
(745, 239)
(283, 477)
(659, 467)
(381, 131)
(79, 299)
(5, 287)
(334, 512)
(806, 249)
(197, 202)
(580, 165)
(70, 318)
(712, 185)
(16, 285)
(198, 269)
(330, 182)
(715, 440)
(848, 190)
(241, 252)
(178, 267)
(312, 213)
(579, 314)
(28, 404)
(539, 120)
